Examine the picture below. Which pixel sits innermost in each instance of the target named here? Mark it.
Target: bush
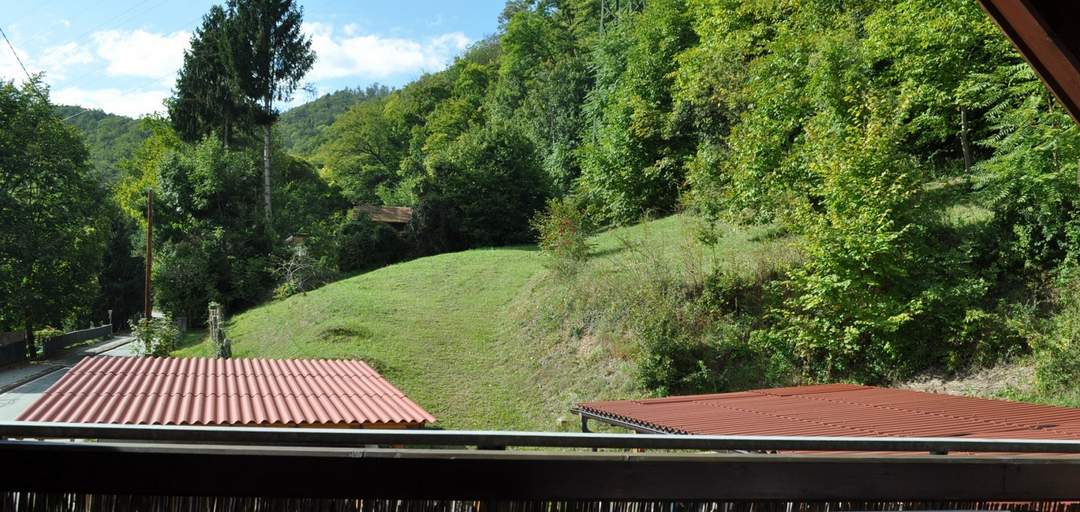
(299, 272)
(363, 244)
(561, 234)
(47, 332)
(714, 337)
(436, 226)
(485, 188)
(184, 281)
(157, 337)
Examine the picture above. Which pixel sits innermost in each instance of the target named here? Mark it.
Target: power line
(29, 79)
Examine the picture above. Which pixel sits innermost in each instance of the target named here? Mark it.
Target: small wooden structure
(396, 216)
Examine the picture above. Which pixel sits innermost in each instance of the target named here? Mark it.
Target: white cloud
(376, 56)
(129, 103)
(9, 67)
(56, 60)
(141, 53)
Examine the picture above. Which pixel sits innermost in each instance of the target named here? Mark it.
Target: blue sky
(122, 55)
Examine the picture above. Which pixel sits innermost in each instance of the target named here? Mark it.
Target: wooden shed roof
(388, 214)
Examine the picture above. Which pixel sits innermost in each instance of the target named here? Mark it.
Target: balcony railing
(448, 470)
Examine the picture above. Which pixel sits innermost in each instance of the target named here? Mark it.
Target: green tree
(490, 184)
(633, 161)
(52, 230)
(206, 98)
(268, 55)
(543, 79)
(122, 272)
(214, 244)
(364, 151)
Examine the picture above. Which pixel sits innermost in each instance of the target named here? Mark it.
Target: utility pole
(147, 306)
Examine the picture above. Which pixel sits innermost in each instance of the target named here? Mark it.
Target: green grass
(455, 331)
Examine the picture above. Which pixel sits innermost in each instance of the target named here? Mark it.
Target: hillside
(462, 333)
(301, 128)
(109, 137)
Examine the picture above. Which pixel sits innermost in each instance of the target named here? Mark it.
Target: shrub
(157, 337)
(561, 234)
(363, 244)
(485, 188)
(436, 226)
(299, 272)
(1057, 348)
(184, 281)
(47, 332)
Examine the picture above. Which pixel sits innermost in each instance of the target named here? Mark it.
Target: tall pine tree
(268, 55)
(207, 99)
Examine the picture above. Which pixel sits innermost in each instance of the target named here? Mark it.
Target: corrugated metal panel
(843, 410)
(204, 391)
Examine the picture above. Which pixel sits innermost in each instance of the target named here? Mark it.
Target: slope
(109, 137)
(455, 333)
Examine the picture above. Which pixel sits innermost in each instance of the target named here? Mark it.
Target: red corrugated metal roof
(843, 410)
(206, 391)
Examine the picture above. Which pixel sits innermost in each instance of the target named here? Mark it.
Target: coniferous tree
(207, 98)
(268, 55)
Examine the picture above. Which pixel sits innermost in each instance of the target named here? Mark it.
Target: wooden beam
(1044, 33)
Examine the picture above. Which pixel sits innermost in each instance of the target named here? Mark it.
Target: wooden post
(147, 306)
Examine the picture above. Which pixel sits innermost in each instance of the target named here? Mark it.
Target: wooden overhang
(1046, 34)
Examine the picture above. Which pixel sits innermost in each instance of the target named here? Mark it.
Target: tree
(52, 231)
(633, 160)
(364, 151)
(268, 55)
(207, 99)
(122, 273)
(490, 183)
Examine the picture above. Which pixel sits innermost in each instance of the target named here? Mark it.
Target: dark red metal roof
(206, 391)
(841, 410)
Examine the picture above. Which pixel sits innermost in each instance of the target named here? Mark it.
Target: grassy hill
(474, 336)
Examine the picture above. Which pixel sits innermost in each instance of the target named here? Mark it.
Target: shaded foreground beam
(176, 470)
(1044, 31)
(349, 438)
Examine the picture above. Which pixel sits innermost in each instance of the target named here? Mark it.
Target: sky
(122, 56)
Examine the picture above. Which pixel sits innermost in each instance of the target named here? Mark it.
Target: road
(14, 401)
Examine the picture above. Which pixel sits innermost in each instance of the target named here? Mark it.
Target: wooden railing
(466, 471)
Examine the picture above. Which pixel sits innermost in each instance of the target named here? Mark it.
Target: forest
(929, 180)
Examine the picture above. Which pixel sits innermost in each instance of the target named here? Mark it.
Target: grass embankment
(474, 337)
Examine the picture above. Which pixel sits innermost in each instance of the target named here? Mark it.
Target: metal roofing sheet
(205, 391)
(842, 410)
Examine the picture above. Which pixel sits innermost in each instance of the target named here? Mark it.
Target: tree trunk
(30, 352)
(965, 144)
(266, 173)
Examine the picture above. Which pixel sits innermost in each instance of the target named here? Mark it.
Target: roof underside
(204, 391)
(1045, 33)
(840, 410)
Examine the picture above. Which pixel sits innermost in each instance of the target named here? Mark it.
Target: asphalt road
(15, 401)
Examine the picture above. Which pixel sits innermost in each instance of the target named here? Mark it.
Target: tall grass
(680, 314)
